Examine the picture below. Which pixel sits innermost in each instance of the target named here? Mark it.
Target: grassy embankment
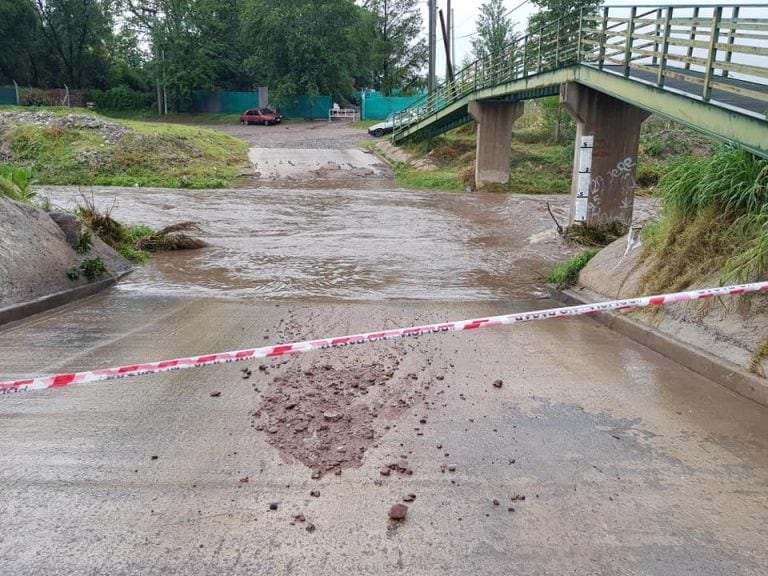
(149, 154)
(715, 221)
(136, 243)
(540, 163)
(714, 227)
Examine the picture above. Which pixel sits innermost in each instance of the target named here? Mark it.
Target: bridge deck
(693, 89)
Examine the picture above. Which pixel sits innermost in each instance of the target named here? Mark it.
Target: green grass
(440, 179)
(715, 222)
(150, 154)
(174, 117)
(364, 124)
(540, 168)
(14, 183)
(536, 167)
(758, 355)
(567, 274)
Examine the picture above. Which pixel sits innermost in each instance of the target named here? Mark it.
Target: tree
(19, 48)
(302, 47)
(398, 54)
(193, 45)
(495, 30)
(551, 10)
(76, 31)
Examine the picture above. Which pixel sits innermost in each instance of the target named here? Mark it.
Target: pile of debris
(111, 131)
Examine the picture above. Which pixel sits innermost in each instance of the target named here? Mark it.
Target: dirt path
(318, 135)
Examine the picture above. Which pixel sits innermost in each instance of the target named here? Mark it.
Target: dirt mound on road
(327, 416)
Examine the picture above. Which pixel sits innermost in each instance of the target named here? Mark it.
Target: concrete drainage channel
(17, 312)
(725, 373)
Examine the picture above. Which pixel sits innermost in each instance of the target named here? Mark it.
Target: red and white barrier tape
(61, 380)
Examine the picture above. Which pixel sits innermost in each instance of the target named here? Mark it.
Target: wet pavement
(300, 165)
(548, 448)
(603, 457)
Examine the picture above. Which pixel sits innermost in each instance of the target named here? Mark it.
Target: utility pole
(432, 42)
(453, 38)
(449, 26)
(447, 45)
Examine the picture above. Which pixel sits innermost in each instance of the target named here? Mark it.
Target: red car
(260, 116)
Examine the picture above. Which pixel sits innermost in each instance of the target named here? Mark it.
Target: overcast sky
(466, 12)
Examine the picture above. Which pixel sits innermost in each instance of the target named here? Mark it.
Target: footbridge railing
(716, 54)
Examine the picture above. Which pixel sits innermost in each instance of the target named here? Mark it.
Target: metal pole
(447, 40)
(453, 37)
(432, 42)
(165, 94)
(630, 40)
(448, 64)
(692, 37)
(18, 101)
(731, 37)
(660, 78)
(714, 36)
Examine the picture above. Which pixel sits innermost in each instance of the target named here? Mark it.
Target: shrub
(567, 274)
(14, 183)
(121, 99)
(715, 222)
(92, 268)
(647, 175)
(731, 181)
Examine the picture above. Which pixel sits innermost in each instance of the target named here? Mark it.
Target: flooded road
(343, 243)
(549, 448)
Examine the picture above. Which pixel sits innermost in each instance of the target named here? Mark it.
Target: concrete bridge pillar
(605, 158)
(494, 139)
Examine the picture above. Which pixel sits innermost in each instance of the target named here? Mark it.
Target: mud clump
(398, 512)
(325, 417)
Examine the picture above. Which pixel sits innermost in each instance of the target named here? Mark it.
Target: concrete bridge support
(494, 139)
(605, 159)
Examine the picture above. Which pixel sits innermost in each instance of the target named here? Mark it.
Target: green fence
(307, 107)
(225, 102)
(7, 95)
(378, 108)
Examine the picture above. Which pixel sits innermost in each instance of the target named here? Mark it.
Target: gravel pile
(111, 131)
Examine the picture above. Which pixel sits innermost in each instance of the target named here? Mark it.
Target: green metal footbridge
(703, 66)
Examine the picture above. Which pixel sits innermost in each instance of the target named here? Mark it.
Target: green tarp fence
(378, 108)
(308, 108)
(7, 95)
(224, 102)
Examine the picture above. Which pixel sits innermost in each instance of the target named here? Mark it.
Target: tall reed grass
(715, 221)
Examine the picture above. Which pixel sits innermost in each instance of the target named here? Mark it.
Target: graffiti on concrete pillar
(618, 180)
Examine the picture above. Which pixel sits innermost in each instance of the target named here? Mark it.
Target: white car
(388, 126)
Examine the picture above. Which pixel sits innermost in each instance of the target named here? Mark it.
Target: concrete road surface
(594, 457)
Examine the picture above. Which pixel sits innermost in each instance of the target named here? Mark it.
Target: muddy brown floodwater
(344, 243)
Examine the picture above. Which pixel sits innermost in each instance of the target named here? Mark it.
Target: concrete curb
(20, 311)
(376, 151)
(725, 373)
